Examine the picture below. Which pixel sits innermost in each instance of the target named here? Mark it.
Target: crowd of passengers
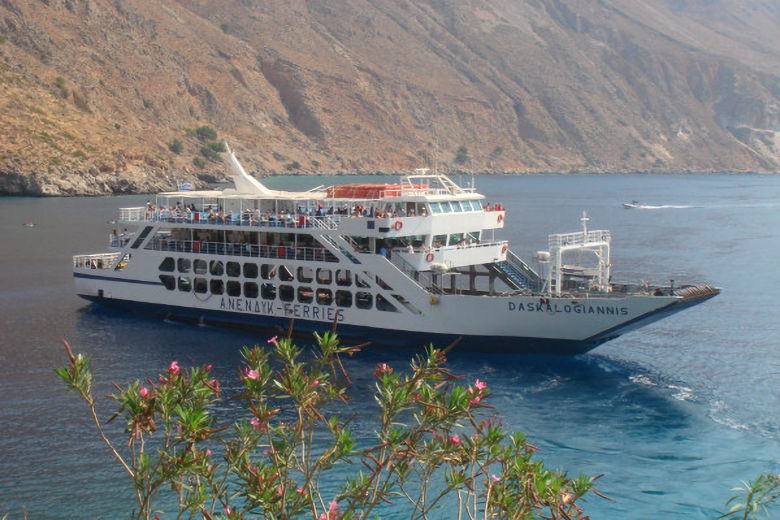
(299, 217)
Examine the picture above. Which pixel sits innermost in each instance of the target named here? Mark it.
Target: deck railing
(313, 254)
(96, 261)
(242, 219)
(578, 238)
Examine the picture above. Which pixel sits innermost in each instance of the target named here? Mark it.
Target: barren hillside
(102, 96)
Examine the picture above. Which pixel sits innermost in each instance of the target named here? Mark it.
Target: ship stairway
(340, 244)
(516, 273)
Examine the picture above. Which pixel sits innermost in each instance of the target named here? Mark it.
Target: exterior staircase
(516, 273)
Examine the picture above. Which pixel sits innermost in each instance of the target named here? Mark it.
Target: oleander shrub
(438, 450)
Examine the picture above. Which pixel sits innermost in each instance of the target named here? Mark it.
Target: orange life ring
(503, 249)
(429, 257)
(398, 225)
(500, 217)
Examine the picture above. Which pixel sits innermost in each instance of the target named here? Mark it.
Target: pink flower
(144, 392)
(299, 490)
(208, 367)
(479, 385)
(228, 510)
(208, 452)
(455, 439)
(495, 478)
(273, 340)
(381, 369)
(279, 490)
(251, 374)
(334, 506)
(255, 422)
(323, 516)
(316, 382)
(175, 367)
(475, 400)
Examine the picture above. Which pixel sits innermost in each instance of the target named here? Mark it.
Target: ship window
(439, 240)
(233, 269)
(200, 285)
(305, 294)
(217, 286)
(360, 282)
(324, 276)
(184, 265)
(344, 278)
(286, 293)
(435, 208)
(324, 296)
(233, 288)
(268, 291)
(477, 205)
(344, 298)
(199, 266)
(284, 274)
(267, 271)
(446, 208)
(168, 281)
(363, 300)
(455, 239)
(305, 274)
(250, 290)
(215, 267)
(185, 285)
(250, 270)
(167, 265)
(383, 305)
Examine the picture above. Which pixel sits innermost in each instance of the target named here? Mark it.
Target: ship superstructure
(399, 264)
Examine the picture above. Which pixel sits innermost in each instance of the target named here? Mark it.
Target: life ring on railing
(500, 217)
(429, 257)
(398, 225)
(503, 249)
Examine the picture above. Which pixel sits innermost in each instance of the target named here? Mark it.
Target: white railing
(96, 261)
(578, 238)
(132, 214)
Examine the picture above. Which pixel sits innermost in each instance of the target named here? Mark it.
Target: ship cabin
(440, 234)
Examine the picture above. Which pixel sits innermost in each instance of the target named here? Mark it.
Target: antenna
(584, 221)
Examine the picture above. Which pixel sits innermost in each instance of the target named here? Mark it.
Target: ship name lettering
(296, 310)
(574, 308)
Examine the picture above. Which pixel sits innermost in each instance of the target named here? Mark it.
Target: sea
(672, 416)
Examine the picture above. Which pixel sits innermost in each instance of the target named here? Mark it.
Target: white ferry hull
(521, 324)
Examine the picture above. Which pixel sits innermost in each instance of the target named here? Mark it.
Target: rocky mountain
(105, 96)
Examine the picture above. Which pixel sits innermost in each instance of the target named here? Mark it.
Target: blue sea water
(673, 415)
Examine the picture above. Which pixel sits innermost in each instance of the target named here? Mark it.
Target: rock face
(96, 94)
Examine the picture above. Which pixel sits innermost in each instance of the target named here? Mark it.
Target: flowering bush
(438, 447)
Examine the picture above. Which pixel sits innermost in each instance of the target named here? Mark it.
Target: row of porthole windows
(285, 293)
(304, 274)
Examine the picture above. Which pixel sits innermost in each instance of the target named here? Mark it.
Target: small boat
(29, 223)
(634, 204)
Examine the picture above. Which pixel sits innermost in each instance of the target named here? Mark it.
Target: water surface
(673, 415)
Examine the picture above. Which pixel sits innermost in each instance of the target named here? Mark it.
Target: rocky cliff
(105, 96)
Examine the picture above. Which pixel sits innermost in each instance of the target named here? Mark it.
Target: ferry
(403, 264)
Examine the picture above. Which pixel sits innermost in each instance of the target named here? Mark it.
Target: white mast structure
(596, 242)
